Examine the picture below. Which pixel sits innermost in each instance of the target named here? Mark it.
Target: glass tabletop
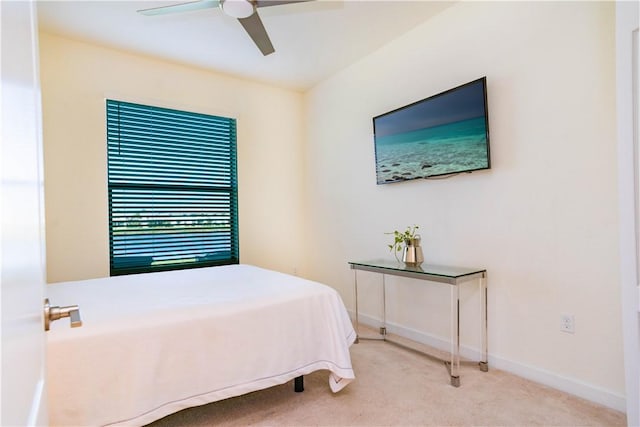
(425, 269)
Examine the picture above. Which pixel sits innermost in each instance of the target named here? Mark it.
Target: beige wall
(78, 77)
(543, 220)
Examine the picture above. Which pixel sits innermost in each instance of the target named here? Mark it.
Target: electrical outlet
(567, 323)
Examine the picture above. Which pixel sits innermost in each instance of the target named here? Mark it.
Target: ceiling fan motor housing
(238, 8)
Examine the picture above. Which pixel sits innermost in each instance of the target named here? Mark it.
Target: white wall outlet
(567, 323)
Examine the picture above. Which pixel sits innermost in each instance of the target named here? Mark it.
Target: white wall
(76, 79)
(543, 220)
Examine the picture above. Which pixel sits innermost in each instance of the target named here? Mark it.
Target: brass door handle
(55, 313)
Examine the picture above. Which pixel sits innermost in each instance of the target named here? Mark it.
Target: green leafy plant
(400, 238)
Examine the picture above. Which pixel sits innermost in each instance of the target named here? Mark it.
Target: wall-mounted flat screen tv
(444, 134)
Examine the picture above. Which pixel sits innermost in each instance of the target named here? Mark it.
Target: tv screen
(444, 134)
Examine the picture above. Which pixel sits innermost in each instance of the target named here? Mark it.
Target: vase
(412, 253)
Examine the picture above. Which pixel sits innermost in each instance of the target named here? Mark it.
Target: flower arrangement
(401, 238)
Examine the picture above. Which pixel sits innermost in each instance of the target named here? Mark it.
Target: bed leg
(298, 384)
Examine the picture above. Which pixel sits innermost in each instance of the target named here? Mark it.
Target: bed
(153, 344)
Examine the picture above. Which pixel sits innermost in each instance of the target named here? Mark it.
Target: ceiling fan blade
(266, 3)
(182, 7)
(254, 27)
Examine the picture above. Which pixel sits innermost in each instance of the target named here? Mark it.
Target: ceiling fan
(244, 10)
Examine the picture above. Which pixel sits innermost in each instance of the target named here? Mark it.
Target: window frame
(172, 190)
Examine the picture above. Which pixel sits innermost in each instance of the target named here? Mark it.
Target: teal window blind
(172, 189)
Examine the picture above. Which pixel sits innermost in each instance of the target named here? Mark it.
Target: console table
(453, 276)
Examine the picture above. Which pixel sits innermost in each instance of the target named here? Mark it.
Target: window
(172, 189)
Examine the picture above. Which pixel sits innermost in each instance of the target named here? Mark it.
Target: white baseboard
(559, 382)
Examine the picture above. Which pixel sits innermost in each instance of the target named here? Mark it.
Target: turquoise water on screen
(438, 150)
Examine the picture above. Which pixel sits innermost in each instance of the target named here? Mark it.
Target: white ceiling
(312, 40)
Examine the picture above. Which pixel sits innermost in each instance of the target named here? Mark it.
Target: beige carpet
(395, 386)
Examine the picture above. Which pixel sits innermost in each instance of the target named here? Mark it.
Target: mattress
(153, 344)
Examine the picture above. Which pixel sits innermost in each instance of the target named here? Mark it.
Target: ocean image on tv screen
(438, 136)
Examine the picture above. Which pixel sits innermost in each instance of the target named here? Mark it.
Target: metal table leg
(455, 336)
(484, 361)
(383, 328)
(355, 281)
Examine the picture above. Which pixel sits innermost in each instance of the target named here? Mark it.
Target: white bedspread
(153, 344)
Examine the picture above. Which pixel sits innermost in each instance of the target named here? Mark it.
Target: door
(22, 268)
(628, 94)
